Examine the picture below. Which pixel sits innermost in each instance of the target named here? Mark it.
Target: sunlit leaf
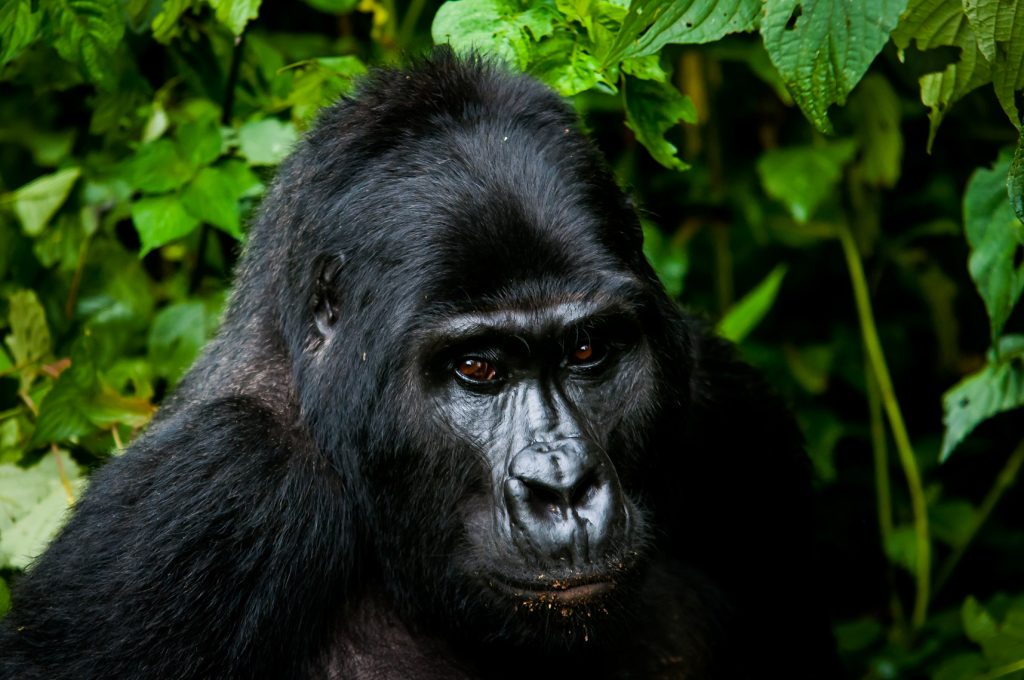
(803, 177)
(160, 220)
(996, 238)
(744, 316)
(499, 27)
(235, 14)
(688, 22)
(995, 389)
(19, 27)
(999, 29)
(652, 109)
(37, 202)
(822, 48)
(267, 141)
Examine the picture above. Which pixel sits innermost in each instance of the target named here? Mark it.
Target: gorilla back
(451, 427)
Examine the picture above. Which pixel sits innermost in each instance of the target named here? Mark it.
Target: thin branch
(876, 358)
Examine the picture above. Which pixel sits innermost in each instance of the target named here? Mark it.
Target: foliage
(789, 149)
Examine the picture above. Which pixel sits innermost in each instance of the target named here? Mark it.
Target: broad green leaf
(498, 27)
(996, 238)
(570, 75)
(929, 24)
(63, 412)
(333, 6)
(992, 22)
(668, 257)
(158, 166)
(1015, 179)
(160, 220)
(687, 22)
(999, 29)
(1001, 639)
(167, 25)
(29, 339)
(901, 547)
(952, 521)
(803, 177)
(875, 110)
(37, 202)
(235, 14)
(652, 109)
(995, 389)
(33, 505)
(744, 316)
(266, 141)
(176, 337)
(199, 141)
(822, 48)
(213, 197)
(19, 27)
(87, 34)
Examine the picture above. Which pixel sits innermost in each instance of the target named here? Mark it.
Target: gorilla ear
(326, 296)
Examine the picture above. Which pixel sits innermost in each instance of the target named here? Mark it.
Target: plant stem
(1004, 480)
(408, 25)
(883, 489)
(1003, 671)
(876, 359)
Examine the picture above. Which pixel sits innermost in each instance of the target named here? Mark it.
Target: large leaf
(87, 33)
(652, 109)
(744, 316)
(213, 198)
(822, 48)
(999, 28)
(159, 166)
(267, 141)
(19, 27)
(499, 27)
(996, 237)
(803, 177)
(33, 505)
(686, 22)
(29, 340)
(930, 24)
(235, 14)
(160, 220)
(997, 388)
(37, 202)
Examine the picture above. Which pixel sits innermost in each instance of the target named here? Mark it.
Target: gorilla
(451, 427)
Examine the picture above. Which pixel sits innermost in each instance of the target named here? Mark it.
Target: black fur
(297, 508)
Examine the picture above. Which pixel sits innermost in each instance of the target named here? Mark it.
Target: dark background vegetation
(797, 188)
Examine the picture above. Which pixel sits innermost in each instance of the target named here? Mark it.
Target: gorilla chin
(451, 427)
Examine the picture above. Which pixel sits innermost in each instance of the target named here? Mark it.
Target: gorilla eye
(587, 353)
(474, 370)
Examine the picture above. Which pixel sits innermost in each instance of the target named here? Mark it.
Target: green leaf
(160, 220)
(176, 337)
(999, 29)
(652, 109)
(564, 65)
(158, 166)
(668, 258)
(87, 33)
(19, 27)
(1001, 639)
(37, 202)
(931, 24)
(167, 25)
(996, 238)
(875, 110)
(822, 48)
(995, 389)
(33, 506)
(333, 6)
(687, 22)
(1015, 179)
(235, 14)
(29, 340)
(803, 177)
(744, 316)
(266, 141)
(497, 27)
(213, 197)
(199, 141)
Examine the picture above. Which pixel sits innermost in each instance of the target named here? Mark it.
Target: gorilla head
(451, 427)
(484, 347)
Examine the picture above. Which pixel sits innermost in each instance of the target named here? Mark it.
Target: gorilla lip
(560, 591)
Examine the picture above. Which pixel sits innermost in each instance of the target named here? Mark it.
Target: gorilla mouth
(556, 591)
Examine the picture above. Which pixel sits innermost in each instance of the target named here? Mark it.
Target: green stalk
(883, 488)
(1004, 480)
(876, 359)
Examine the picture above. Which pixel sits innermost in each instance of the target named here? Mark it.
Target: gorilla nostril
(585, 489)
(544, 500)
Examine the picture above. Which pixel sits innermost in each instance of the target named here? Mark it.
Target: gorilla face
(515, 414)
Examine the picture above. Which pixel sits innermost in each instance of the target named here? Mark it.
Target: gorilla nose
(564, 500)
